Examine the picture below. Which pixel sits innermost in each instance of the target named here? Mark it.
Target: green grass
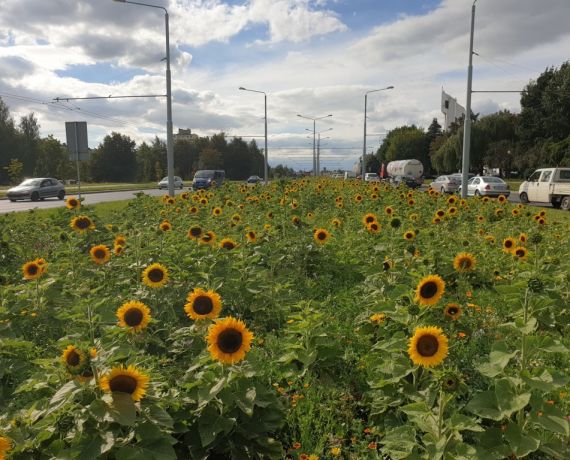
(98, 187)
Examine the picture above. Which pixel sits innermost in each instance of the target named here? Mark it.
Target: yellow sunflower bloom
(72, 203)
(208, 238)
(452, 310)
(229, 340)
(134, 314)
(464, 262)
(203, 304)
(228, 243)
(155, 275)
(374, 227)
(321, 235)
(409, 235)
(32, 270)
(5, 447)
(165, 226)
(82, 224)
(251, 236)
(73, 358)
(428, 346)
(125, 380)
(508, 244)
(120, 240)
(369, 218)
(100, 254)
(429, 290)
(520, 251)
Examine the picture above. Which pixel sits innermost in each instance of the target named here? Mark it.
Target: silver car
(487, 186)
(446, 184)
(37, 189)
(163, 184)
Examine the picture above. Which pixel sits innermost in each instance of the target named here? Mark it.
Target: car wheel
(565, 203)
(523, 197)
(35, 196)
(477, 192)
(60, 195)
(13, 201)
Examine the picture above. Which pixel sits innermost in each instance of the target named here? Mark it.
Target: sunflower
(436, 220)
(236, 218)
(452, 211)
(208, 238)
(515, 212)
(409, 235)
(452, 199)
(125, 380)
(155, 275)
(480, 219)
(450, 382)
(523, 237)
(464, 262)
(5, 447)
(388, 210)
(134, 314)
(195, 232)
(203, 304)
(369, 218)
(204, 201)
(428, 347)
(228, 243)
(100, 254)
(452, 310)
(541, 221)
(321, 235)
(340, 205)
(395, 222)
(378, 318)
(251, 236)
(229, 340)
(373, 227)
(520, 251)
(499, 212)
(296, 220)
(165, 226)
(120, 240)
(336, 222)
(387, 265)
(358, 198)
(73, 358)
(508, 244)
(193, 210)
(440, 213)
(429, 290)
(184, 196)
(217, 211)
(82, 224)
(118, 249)
(72, 203)
(32, 270)
(501, 198)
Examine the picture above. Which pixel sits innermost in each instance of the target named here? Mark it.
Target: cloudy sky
(311, 57)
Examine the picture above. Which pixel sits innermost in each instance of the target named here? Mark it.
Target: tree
(371, 164)
(8, 141)
(186, 156)
(52, 159)
(210, 159)
(29, 142)
(14, 170)
(114, 160)
(404, 143)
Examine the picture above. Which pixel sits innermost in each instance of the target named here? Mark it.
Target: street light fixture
(365, 109)
(241, 88)
(319, 149)
(315, 172)
(169, 137)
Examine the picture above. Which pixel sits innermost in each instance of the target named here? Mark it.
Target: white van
(547, 185)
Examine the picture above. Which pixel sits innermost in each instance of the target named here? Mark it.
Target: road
(90, 198)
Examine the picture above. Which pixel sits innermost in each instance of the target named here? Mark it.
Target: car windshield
(204, 175)
(493, 180)
(31, 182)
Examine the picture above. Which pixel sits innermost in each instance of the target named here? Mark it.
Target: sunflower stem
(440, 414)
(520, 415)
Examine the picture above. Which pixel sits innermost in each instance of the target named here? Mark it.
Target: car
(487, 186)
(37, 189)
(205, 178)
(446, 184)
(371, 177)
(408, 181)
(177, 183)
(547, 185)
(254, 180)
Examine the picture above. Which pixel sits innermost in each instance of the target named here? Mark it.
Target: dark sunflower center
(203, 305)
(251, 235)
(369, 219)
(386, 266)
(156, 275)
(428, 290)
(453, 311)
(508, 244)
(427, 345)
(520, 252)
(73, 359)
(72, 203)
(440, 213)
(465, 263)
(33, 269)
(409, 236)
(133, 317)
(207, 237)
(195, 231)
(123, 384)
(228, 245)
(99, 254)
(82, 223)
(322, 236)
(374, 226)
(230, 340)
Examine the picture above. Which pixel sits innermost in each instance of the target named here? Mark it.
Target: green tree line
(538, 136)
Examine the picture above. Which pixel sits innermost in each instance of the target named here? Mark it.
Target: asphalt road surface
(90, 198)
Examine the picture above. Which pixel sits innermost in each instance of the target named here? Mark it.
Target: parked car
(547, 185)
(446, 184)
(371, 177)
(487, 186)
(205, 178)
(254, 180)
(177, 183)
(37, 189)
(408, 181)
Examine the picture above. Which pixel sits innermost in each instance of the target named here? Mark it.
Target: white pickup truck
(547, 185)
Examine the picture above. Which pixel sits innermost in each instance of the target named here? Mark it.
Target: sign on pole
(76, 133)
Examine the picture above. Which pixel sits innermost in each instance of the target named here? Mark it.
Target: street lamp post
(319, 149)
(365, 109)
(467, 123)
(314, 138)
(169, 137)
(266, 168)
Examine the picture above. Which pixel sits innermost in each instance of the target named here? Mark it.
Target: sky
(311, 58)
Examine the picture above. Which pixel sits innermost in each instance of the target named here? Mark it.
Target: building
(185, 135)
(451, 109)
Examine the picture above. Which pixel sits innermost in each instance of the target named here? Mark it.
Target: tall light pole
(319, 150)
(314, 138)
(266, 176)
(365, 110)
(169, 137)
(467, 123)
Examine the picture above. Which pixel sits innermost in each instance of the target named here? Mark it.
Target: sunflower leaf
(123, 409)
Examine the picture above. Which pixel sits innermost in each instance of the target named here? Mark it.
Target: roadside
(98, 188)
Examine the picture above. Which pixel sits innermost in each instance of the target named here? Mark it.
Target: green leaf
(508, 399)
(65, 393)
(245, 401)
(459, 422)
(157, 450)
(485, 405)
(551, 419)
(498, 360)
(210, 424)
(122, 409)
(158, 415)
(400, 442)
(522, 443)
(545, 381)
